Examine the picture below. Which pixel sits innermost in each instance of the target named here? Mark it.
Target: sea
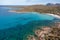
(17, 26)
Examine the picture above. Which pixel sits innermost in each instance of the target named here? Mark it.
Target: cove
(16, 26)
(11, 19)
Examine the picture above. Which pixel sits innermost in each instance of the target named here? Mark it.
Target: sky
(27, 2)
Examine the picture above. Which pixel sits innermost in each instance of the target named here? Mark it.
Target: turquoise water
(15, 25)
(10, 19)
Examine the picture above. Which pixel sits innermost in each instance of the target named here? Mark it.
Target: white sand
(16, 11)
(54, 15)
(11, 11)
(47, 14)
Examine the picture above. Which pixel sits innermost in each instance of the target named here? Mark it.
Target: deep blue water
(11, 19)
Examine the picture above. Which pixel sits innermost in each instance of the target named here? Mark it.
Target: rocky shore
(46, 33)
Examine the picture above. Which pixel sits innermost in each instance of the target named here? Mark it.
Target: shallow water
(19, 24)
(10, 19)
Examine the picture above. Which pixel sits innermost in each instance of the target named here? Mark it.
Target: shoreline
(57, 16)
(15, 11)
(19, 12)
(54, 15)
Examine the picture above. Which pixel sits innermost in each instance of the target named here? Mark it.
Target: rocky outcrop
(48, 33)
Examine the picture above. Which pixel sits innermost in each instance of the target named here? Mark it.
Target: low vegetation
(41, 9)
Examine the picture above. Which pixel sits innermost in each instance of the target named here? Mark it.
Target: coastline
(54, 15)
(20, 11)
(46, 33)
(57, 16)
(16, 11)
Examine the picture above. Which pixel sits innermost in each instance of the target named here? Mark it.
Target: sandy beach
(47, 13)
(13, 11)
(54, 15)
(16, 11)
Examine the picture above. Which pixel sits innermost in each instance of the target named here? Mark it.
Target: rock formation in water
(47, 33)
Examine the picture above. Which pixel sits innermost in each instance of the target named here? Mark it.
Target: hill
(39, 8)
